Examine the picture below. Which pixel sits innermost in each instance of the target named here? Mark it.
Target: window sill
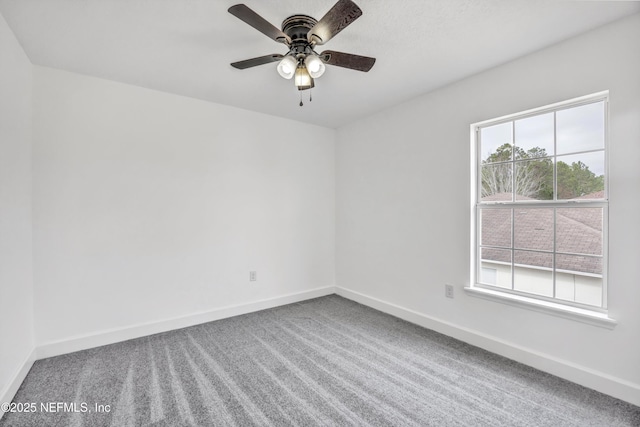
(579, 314)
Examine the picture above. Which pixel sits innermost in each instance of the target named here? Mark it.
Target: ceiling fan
(301, 34)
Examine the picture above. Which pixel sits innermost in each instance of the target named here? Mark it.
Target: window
(540, 201)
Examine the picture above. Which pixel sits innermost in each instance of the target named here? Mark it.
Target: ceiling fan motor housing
(297, 27)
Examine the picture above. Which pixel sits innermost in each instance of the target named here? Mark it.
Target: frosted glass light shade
(287, 67)
(315, 66)
(303, 80)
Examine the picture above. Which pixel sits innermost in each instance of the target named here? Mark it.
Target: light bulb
(287, 67)
(315, 66)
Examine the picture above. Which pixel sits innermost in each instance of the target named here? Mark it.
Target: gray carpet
(327, 361)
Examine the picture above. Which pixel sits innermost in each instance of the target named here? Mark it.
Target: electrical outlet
(253, 276)
(448, 291)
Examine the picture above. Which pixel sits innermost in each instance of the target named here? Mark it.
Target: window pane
(495, 267)
(497, 182)
(579, 279)
(495, 143)
(581, 176)
(533, 229)
(534, 137)
(489, 275)
(580, 128)
(495, 227)
(534, 180)
(587, 265)
(532, 273)
(579, 230)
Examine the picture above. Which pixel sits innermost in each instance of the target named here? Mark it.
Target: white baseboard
(10, 390)
(112, 336)
(604, 383)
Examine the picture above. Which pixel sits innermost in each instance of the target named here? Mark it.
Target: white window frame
(589, 314)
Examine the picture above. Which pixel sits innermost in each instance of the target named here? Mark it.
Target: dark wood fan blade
(261, 60)
(347, 60)
(247, 15)
(337, 19)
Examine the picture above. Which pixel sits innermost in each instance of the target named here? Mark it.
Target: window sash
(512, 248)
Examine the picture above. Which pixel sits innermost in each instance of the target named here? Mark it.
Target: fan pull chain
(310, 97)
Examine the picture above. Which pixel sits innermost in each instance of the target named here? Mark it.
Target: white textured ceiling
(185, 46)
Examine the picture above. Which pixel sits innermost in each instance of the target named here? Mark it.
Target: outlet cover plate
(448, 291)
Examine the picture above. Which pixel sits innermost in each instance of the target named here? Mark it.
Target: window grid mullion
(555, 159)
(568, 204)
(513, 163)
(513, 254)
(555, 248)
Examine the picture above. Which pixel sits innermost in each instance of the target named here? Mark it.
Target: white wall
(16, 280)
(150, 206)
(402, 201)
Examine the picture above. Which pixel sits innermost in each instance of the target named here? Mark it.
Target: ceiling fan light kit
(303, 79)
(301, 34)
(287, 67)
(314, 65)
